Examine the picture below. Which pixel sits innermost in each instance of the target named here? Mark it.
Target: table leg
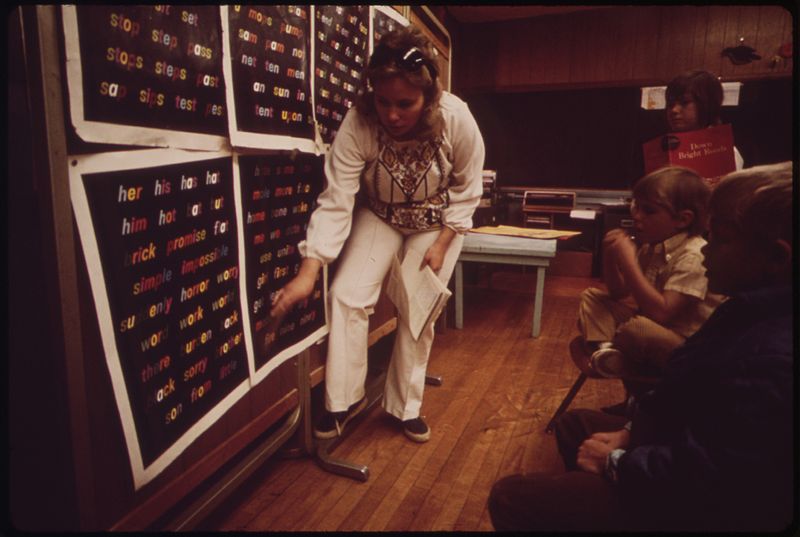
(537, 302)
(459, 295)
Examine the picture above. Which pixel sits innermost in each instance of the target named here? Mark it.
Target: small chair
(582, 360)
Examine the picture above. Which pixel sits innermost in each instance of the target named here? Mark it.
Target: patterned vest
(407, 184)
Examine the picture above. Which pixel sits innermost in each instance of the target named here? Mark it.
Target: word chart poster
(159, 232)
(146, 75)
(385, 20)
(278, 194)
(267, 51)
(341, 43)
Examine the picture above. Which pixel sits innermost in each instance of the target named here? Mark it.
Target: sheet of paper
(730, 93)
(531, 233)
(654, 97)
(419, 295)
(583, 214)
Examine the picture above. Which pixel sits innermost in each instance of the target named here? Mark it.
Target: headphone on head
(409, 60)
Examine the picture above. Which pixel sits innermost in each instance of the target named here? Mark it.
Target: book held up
(709, 152)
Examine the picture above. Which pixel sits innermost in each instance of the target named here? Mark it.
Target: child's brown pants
(641, 340)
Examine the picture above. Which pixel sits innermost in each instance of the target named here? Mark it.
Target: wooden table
(485, 248)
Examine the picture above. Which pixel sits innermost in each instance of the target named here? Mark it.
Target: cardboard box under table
(485, 248)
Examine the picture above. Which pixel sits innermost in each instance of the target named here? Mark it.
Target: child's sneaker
(590, 347)
(607, 361)
(417, 430)
(331, 424)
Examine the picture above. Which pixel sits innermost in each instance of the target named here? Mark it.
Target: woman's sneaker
(417, 430)
(331, 424)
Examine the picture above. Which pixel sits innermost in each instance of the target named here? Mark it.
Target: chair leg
(565, 403)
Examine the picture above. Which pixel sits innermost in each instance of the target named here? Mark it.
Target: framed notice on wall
(278, 194)
(146, 75)
(159, 233)
(268, 63)
(385, 19)
(341, 51)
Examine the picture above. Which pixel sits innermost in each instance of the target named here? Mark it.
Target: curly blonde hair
(431, 122)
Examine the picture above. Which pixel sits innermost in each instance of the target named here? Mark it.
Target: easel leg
(341, 467)
(376, 379)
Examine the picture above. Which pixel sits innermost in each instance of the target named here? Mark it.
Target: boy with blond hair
(711, 447)
(657, 295)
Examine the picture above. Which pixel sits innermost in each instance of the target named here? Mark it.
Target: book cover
(709, 151)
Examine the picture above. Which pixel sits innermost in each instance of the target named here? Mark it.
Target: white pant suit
(365, 261)
(412, 189)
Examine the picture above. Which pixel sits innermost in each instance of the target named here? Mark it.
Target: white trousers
(365, 260)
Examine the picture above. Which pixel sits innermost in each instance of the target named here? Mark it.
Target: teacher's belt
(419, 215)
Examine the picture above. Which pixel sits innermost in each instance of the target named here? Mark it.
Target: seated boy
(657, 290)
(711, 446)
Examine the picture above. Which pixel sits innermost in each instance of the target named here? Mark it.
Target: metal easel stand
(199, 509)
(344, 468)
(326, 461)
(322, 449)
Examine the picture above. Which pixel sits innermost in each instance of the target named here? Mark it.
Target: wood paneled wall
(630, 45)
(427, 22)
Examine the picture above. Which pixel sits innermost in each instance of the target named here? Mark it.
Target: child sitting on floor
(657, 291)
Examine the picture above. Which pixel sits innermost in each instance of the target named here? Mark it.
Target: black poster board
(185, 249)
(145, 74)
(162, 233)
(268, 52)
(279, 193)
(341, 51)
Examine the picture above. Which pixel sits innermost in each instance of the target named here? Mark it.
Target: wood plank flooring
(487, 420)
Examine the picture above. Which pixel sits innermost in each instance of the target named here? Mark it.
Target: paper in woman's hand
(417, 293)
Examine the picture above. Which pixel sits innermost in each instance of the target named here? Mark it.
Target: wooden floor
(487, 420)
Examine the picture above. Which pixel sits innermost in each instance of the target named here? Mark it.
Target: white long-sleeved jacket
(395, 172)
